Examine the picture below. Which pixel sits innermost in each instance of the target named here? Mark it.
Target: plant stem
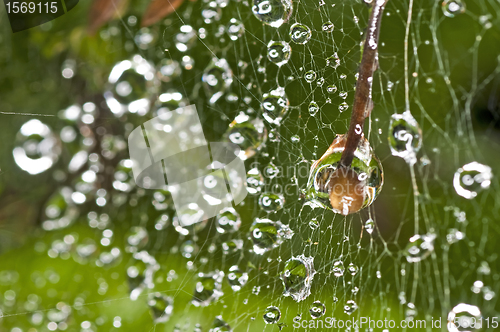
(363, 96)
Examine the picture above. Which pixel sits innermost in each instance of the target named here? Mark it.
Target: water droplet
(208, 288)
(297, 277)
(327, 26)
(271, 171)
(272, 12)
(333, 61)
(350, 307)
(217, 78)
(37, 148)
(472, 178)
(343, 106)
(451, 8)
(275, 105)
(369, 226)
(130, 84)
(228, 220)
(272, 315)
(219, 325)
(420, 247)
(338, 268)
(267, 234)
(249, 135)
(353, 269)
(137, 238)
(236, 278)
(189, 219)
(454, 235)
(279, 52)
(310, 76)
(325, 185)
(232, 246)
(161, 307)
(314, 223)
(235, 29)
(317, 310)
(300, 33)
(405, 137)
(331, 88)
(255, 181)
(464, 317)
(295, 138)
(313, 108)
(270, 202)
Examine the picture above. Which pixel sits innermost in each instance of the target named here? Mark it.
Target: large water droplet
(464, 317)
(313, 108)
(235, 29)
(228, 220)
(297, 277)
(275, 105)
(272, 315)
(249, 135)
(270, 202)
(37, 148)
(338, 268)
(267, 234)
(472, 178)
(161, 307)
(208, 288)
(272, 12)
(405, 137)
(420, 247)
(279, 52)
(300, 33)
(317, 310)
(451, 8)
(333, 61)
(365, 179)
(130, 85)
(255, 181)
(217, 78)
(237, 278)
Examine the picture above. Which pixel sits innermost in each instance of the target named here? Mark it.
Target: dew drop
(420, 247)
(327, 26)
(405, 137)
(220, 325)
(161, 307)
(272, 12)
(255, 181)
(208, 288)
(228, 221)
(272, 315)
(331, 88)
(343, 106)
(270, 202)
(325, 185)
(369, 226)
(451, 8)
(236, 278)
(313, 108)
(333, 61)
(317, 309)
(295, 139)
(464, 317)
(353, 269)
(37, 148)
(275, 105)
(271, 171)
(235, 29)
(249, 135)
(314, 223)
(267, 234)
(471, 179)
(297, 277)
(137, 239)
(217, 78)
(300, 33)
(310, 76)
(279, 52)
(350, 307)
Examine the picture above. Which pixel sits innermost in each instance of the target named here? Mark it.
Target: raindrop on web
(338, 268)
(325, 186)
(279, 52)
(451, 8)
(331, 88)
(350, 307)
(343, 106)
(310, 76)
(353, 269)
(327, 26)
(405, 137)
(189, 219)
(333, 61)
(249, 135)
(137, 238)
(255, 181)
(208, 288)
(317, 310)
(235, 29)
(271, 171)
(471, 178)
(369, 226)
(300, 33)
(217, 78)
(275, 105)
(464, 317)
(219, 325)
(295, 139)
(313, 108)
(314, 223)
(272, 12)
(267, 234)
(228, 221)
(37, 148)
(297, 277)
(236, 278)
(272, 315)
(161, 307)
(420, 247)
(271, 202)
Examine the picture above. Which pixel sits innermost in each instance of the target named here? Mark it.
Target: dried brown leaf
(159, 9)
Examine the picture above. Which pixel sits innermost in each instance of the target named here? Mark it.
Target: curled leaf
(159, 9)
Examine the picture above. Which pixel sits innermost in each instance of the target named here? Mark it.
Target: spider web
(449, 81)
